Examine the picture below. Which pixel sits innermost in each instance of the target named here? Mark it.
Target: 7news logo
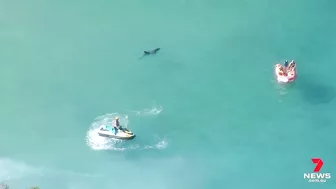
(316, 176)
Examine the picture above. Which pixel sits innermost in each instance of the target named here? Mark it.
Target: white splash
(97, 142)
(149, 111)
(160, 145)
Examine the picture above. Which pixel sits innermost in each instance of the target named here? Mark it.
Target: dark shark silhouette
(151, 52)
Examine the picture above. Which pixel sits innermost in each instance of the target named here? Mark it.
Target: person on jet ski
(116, 124)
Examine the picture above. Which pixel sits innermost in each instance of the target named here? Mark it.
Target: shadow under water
(314, 90)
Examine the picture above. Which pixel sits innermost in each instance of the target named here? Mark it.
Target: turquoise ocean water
(206, 109)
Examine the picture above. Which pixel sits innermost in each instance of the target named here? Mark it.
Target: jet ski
(109, 131)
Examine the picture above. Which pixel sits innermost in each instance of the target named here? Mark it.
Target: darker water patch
(315, 91)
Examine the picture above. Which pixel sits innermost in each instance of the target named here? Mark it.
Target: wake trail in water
(96, 142)
(148, 112)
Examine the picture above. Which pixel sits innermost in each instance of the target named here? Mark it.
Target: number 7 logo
(319, 164)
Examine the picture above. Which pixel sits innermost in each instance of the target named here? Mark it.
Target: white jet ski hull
(123, 133)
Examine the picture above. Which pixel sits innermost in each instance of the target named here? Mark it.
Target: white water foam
(149, 111)
(97, 142)
(160, 145)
